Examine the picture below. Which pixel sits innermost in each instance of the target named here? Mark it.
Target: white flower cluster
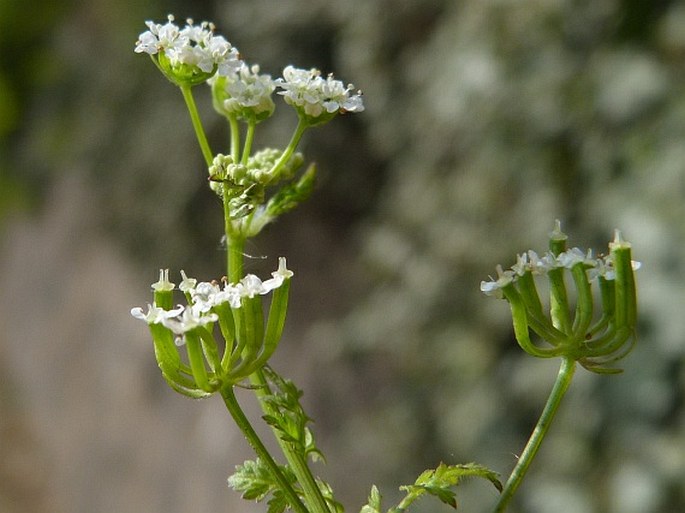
(192, 45)
(205, 296)
(537, 265)
(315, 95)
(248, 89)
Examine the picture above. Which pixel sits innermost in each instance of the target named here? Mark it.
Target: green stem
(249, 138)
(235, 138)
(315, 500)
(560, 387)
(302, 125)
(244, 424)
(197, 124)
(236, 246)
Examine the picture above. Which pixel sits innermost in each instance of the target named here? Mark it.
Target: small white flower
(230, 295)
(575, 256)
(521, 266)
(188, 321)
(205, 296)
(538, 265)
(279, 276)
(250, 286)
(155, 315)
(494, 287)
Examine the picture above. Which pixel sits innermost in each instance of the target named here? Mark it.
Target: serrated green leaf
(253, 480)
(287, 417)
(438, 483)
(278, 502)
(374, 503)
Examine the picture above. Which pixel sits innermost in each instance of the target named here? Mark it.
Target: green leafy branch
(436, 482)
(280, 401)
(287, 416)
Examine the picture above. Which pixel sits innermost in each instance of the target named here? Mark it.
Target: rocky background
(485, 121)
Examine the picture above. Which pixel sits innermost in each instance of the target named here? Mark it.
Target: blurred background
(485, 121)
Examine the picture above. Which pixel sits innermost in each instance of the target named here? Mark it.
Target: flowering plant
(224, 336)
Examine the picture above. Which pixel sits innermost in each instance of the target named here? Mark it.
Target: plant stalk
(244, 424)
(197, 124)
(313, 496)
(560, 387)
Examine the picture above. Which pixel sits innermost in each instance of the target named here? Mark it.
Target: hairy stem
(244, 424)
(560, 387)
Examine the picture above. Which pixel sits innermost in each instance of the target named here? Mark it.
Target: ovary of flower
(163, 284)
(155, 315)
